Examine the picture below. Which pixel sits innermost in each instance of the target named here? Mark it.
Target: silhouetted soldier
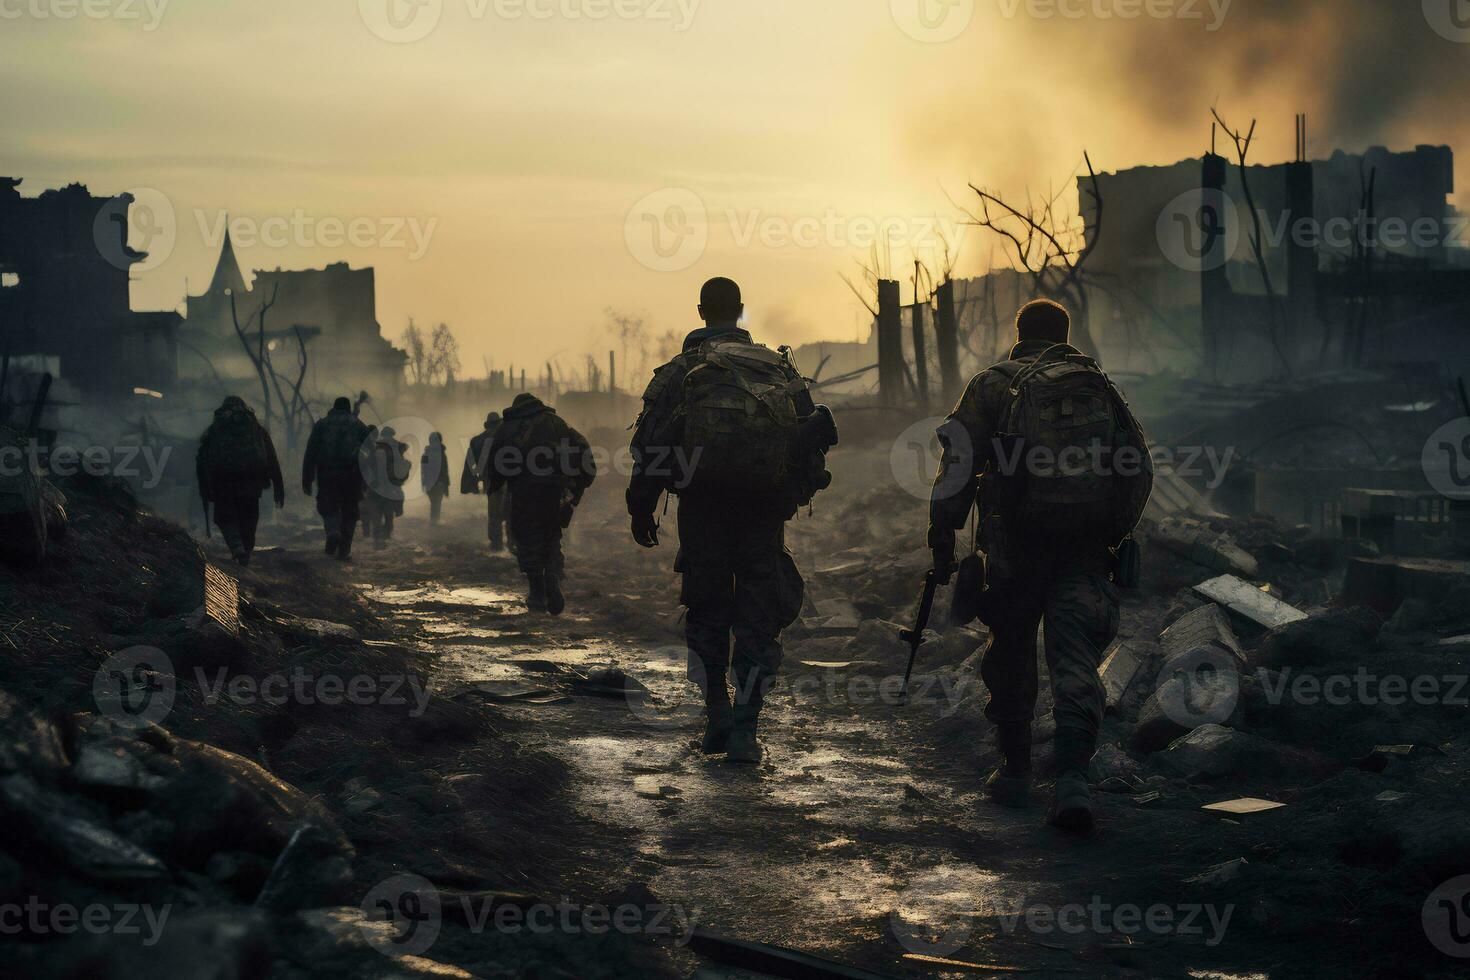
(333, 462)
(1058, 464)
(387, 471)
(729, 427)
(236, 462)
(434, 475)
(548, 466)
(476, 460)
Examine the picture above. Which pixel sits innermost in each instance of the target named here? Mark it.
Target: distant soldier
(729, 427)
(548, 466)
(472, 480)
(333, 463)
(236, 462)
(434, 475)
(387, 470)
(1059, 466)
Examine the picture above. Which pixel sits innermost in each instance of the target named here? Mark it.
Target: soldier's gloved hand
(943, 548)
(281, 500)
(567, 510)
(645, 530)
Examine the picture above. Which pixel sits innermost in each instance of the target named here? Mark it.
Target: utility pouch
(1128, 568)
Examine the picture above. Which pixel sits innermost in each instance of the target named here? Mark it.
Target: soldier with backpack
(548, 466)
(333, 463)
(1047, 447)
(472, 480)
(729, 427)
(387, 469)
(236, 461)
(434, 475)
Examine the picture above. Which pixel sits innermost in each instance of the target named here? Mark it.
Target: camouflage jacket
(528, 428)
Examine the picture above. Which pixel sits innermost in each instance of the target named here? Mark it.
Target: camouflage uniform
(1032, 577)
(339, 483)
(738, 576)
(476, 460)
(234, 494)
(543, 488)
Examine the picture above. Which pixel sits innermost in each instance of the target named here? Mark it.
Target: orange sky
(526, 164)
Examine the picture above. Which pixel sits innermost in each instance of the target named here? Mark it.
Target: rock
(28, 742)
(242, 873)
(1335, 636)
(1112, 762)
(1194, 540)
(314, 869)
(949, 648)
(56, 824)
(1118, 671)
(876, 639)
(1195, 694)
(110, 770)
(1385, 583)
(320, 631)
(1214, 752)
(1249, 604)
(1221, 874)
(1205, 628)
(222, 798)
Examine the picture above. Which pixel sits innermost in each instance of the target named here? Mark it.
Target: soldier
(729, 427)
(236, 462)
(1050, 531)
(387, 471)
(333, 463)
(434, 475)
(548, 466)
(472, 479)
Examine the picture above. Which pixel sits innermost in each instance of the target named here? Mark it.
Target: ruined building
(64, 296)
(334, 310)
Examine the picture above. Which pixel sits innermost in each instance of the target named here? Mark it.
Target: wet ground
(863, 836)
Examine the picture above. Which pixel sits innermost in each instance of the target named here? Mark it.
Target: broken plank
(776, 961)
(1249, 603)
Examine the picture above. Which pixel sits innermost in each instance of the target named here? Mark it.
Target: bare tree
(418, 353)
(443, 359)
(1273, 313)
(1051, 248)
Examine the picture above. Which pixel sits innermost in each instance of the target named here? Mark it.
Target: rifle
(915, 636)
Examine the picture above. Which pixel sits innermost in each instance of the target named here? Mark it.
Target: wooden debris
(222, 600)
(1243, 807)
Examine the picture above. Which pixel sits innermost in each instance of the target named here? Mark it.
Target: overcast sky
(516, 167)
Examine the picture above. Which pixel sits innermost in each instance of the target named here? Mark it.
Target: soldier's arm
(966, 442)
(278, 483)
(586, 465)
(490, 474)
(308, 462)
(650, 437)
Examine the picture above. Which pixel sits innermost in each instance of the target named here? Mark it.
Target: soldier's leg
(708, 593)
(529, 521)
(1008, 668)
(555, 563)
(1081, 620)
(227, 519)
(349, 515)
(329, 507)
(249, 511)
(768, 597)
(495, 519)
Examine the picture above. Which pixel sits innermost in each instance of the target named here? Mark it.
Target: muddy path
(862, 837)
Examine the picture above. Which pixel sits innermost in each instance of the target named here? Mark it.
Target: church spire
(227, 271)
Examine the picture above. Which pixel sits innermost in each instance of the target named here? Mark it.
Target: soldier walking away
(236, 462)
(434, 475)
(1049, 450)
(548, 466)
(333, 464)
(729, 427)
(476, 460)
(387, 470)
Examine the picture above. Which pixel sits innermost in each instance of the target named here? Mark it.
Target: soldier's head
(234, 403)
(342, 405)
(492, 419)
(720, 303)
(435, 438)
(1044, 320)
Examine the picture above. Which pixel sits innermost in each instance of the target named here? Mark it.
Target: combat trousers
(436, 505)
(237, 518)
(1067, 586)
(339, 501)
(535, 527)
(495, 507)
(739, 580)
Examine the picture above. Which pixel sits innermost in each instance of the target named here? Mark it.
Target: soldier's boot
(497, 543)
(750, 694)
(556, 601)
(333, 541)
(1010, 785)
(1072, 806)
(344, 543)
(719, 719)
(536, 599)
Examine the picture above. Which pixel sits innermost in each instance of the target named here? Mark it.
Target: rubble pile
(241, 831)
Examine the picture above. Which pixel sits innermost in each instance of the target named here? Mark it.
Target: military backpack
(740, 418)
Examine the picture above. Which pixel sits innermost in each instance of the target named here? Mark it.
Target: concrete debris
(1221, 874)
(1195, 541)
(1385, 583)
(1206, 629)
(1244, 807)
(1249, 603)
